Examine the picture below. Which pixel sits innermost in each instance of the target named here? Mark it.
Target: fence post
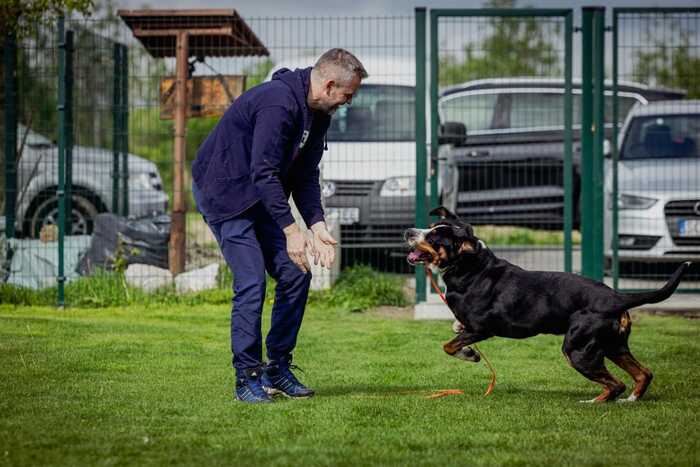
(568, 138)
(592, 137)
(615, 110)
(68, 115)
(124, 126)
(62, 130)
(421, 154)
(116, 105)
(434, 118)
(598, 142)
(10, 65)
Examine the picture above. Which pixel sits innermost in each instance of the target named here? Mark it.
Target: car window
(673, 136)
(378, 113)
(534, 110)
(624, 105)
(475, 111)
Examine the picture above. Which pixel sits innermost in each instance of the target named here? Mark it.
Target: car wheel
(83, 213)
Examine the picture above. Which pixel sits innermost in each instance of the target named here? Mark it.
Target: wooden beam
(222, 31)
(178, 225)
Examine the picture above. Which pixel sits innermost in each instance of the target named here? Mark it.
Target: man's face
(337, 93)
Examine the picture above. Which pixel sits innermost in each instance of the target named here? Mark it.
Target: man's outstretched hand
(296, 247)
(322, 246)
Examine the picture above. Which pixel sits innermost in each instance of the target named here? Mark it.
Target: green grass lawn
(152, 386)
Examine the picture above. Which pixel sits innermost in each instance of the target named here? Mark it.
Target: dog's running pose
(492, 297)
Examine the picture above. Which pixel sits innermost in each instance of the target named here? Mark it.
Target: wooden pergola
(182, 34)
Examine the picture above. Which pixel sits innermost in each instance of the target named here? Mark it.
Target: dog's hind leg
(642, 376)
(619, 353)
(587, 356)
(589, 362)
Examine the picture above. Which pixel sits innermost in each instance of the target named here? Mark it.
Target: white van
(369, 169)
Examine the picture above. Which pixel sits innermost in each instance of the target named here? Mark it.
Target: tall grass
(358, 288)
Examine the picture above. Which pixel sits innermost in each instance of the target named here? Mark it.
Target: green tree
(513, 47)
(671, 66)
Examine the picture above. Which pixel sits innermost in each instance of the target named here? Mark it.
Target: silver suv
(37, 179)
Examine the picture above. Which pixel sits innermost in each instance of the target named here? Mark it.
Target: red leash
(492, 384)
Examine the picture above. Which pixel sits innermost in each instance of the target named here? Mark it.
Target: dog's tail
(636, 299)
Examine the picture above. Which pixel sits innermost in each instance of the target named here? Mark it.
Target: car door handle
(478, 153)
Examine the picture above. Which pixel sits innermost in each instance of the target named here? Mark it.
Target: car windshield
(520, 111)
(668, 136)
(378, 113)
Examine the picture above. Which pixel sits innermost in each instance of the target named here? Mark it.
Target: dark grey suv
(510, 170)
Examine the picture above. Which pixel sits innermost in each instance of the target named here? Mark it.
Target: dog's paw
(631, 398)
(457, 327)
(468, 355)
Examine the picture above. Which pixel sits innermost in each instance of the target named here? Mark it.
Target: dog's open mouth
(419, 256)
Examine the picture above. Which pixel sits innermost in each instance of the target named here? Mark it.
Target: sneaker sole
(237, 399)
(273, 392)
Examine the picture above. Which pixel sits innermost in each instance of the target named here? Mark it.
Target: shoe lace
(287, 372)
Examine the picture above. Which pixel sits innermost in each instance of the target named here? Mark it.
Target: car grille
(495, 175)
(372, 236)
(677, 210)
(353, 187)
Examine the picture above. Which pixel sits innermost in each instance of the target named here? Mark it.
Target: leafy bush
(360, 288)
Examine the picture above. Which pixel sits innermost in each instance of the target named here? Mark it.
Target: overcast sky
(256, 8)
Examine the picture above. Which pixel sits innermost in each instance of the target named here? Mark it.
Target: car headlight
(634, 202)
(146, 181)
(328, 188)
(399, 186)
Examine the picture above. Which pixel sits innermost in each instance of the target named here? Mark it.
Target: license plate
(689, 228)
(346, 216)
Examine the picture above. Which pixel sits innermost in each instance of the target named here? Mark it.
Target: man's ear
(443, 213)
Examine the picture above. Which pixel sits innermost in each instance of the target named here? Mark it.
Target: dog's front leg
(459, 347)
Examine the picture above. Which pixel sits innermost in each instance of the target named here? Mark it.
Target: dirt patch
(393, 312)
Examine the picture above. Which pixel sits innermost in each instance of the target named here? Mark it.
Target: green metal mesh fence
(502, 74)
(653, 206)
(124, 177)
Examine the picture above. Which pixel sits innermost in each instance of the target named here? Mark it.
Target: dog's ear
(467, 247)
(443, 213)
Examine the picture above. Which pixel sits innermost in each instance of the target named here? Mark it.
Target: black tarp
(134, 241)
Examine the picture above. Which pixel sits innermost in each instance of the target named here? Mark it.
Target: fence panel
(506, 76)
(653, 179)
(124, 139)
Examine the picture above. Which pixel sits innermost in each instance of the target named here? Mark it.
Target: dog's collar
(449, 268)
(455, 262)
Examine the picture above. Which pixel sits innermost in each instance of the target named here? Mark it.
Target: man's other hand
(323, 245)
(296, 247)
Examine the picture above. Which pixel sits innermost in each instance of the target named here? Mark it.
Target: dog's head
(442, 242)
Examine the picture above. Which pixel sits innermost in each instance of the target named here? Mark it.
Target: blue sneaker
(249, 389)
(278, 378)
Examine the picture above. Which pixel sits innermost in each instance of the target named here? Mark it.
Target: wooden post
(177, 230)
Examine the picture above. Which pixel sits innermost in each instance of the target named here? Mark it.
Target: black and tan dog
(492, 297)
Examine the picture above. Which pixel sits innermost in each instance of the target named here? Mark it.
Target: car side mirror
(454, 133)
(607, 148)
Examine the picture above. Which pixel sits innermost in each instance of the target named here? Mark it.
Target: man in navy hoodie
(266, 147)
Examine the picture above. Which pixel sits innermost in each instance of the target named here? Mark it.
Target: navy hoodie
(267, 146)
